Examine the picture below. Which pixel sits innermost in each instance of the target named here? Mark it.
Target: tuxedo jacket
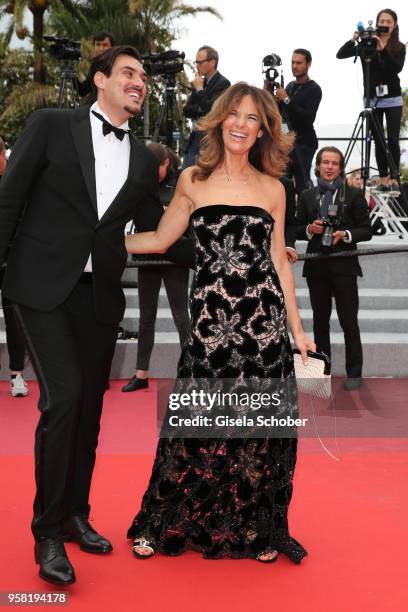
(51, 176)
(354, 216)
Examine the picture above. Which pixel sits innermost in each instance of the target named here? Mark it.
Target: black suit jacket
(52, 173)
(200, 102)
(354, 214)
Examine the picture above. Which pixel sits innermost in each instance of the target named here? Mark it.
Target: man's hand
(291, 254)
(316, 227)
(281, 94)
(198, 83)
(338, 235)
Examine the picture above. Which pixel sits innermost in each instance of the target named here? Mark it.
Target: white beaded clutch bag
(313, 378)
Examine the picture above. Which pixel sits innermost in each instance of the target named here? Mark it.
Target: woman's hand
(381, 44)
(304, 344)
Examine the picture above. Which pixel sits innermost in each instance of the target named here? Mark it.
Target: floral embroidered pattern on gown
(227, 497)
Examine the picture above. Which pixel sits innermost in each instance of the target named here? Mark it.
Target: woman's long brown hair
(394, 44)
(270, 152)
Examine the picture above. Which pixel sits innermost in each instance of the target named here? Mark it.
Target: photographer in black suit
(208, 85)
(333, 207)
(82, 177)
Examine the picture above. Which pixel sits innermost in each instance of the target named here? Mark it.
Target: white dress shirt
(111, 164)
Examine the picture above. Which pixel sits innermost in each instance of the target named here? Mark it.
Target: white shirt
(111, 164)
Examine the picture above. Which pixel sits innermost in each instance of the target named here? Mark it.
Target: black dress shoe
(352, 384)
(54, 564)
(79, 529)
(135, 384)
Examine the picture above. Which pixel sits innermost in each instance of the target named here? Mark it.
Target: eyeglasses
(198, 62)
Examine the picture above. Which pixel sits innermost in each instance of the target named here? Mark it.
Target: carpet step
(380, 298)
(385, 354)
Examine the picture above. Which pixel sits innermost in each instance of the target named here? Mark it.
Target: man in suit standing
(208, 84)
(81, 177)
(337, 277)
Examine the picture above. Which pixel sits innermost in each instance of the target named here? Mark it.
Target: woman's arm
(285, 274)
(172, 225)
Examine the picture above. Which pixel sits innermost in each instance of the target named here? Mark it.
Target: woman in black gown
(229, 497)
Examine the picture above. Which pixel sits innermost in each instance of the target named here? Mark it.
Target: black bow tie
(107, 127)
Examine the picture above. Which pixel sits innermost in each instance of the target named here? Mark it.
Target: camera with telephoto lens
(64, 49)
(164, 64)
(329, 224)
(270, 64)
(367, 42)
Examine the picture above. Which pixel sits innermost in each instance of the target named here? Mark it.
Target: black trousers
(301, 162)
(393, 117)
(71, 353)
(14, 338)
(345, 292)
(175, 280)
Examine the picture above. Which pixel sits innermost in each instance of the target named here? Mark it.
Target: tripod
(367, 125)
(68, 96)
(169, 116)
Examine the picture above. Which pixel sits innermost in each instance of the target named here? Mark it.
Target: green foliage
(146, 24)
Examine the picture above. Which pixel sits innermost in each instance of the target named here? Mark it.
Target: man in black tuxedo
(338, 276)
(208, 85)
(81, 177)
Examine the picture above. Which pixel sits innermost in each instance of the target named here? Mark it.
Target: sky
(252, 29)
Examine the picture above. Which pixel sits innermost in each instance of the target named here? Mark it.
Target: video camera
(270, 64)
(164, 64)
(367, 42)
(64, 49)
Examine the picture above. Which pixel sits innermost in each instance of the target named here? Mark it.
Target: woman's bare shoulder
(272, 184)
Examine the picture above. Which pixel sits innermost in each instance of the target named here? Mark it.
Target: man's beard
(131, 111)
(300, 76)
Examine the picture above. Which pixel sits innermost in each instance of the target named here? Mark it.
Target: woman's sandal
(269, 556)
(142, 548)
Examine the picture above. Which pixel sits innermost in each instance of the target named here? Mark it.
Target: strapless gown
(227, 498)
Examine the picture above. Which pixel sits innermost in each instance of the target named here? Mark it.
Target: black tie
(107, 127)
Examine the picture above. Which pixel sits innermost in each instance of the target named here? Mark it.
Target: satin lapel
(82, 135)
(131, 176)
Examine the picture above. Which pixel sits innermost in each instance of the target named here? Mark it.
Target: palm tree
(146, 24)
(17, 9)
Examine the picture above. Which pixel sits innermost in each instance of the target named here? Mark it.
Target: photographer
(339, 213)
(299, 103)
(207, 85)
(101, 42)
(384, 96)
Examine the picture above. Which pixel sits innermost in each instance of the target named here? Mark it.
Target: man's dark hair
(330, 150)
(104, 62)
(99, 36)
(306, 54)
(211, 53)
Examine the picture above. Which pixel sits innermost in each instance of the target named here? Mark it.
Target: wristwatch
(286, 100)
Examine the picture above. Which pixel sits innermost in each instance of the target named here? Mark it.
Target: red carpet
(350, 515)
